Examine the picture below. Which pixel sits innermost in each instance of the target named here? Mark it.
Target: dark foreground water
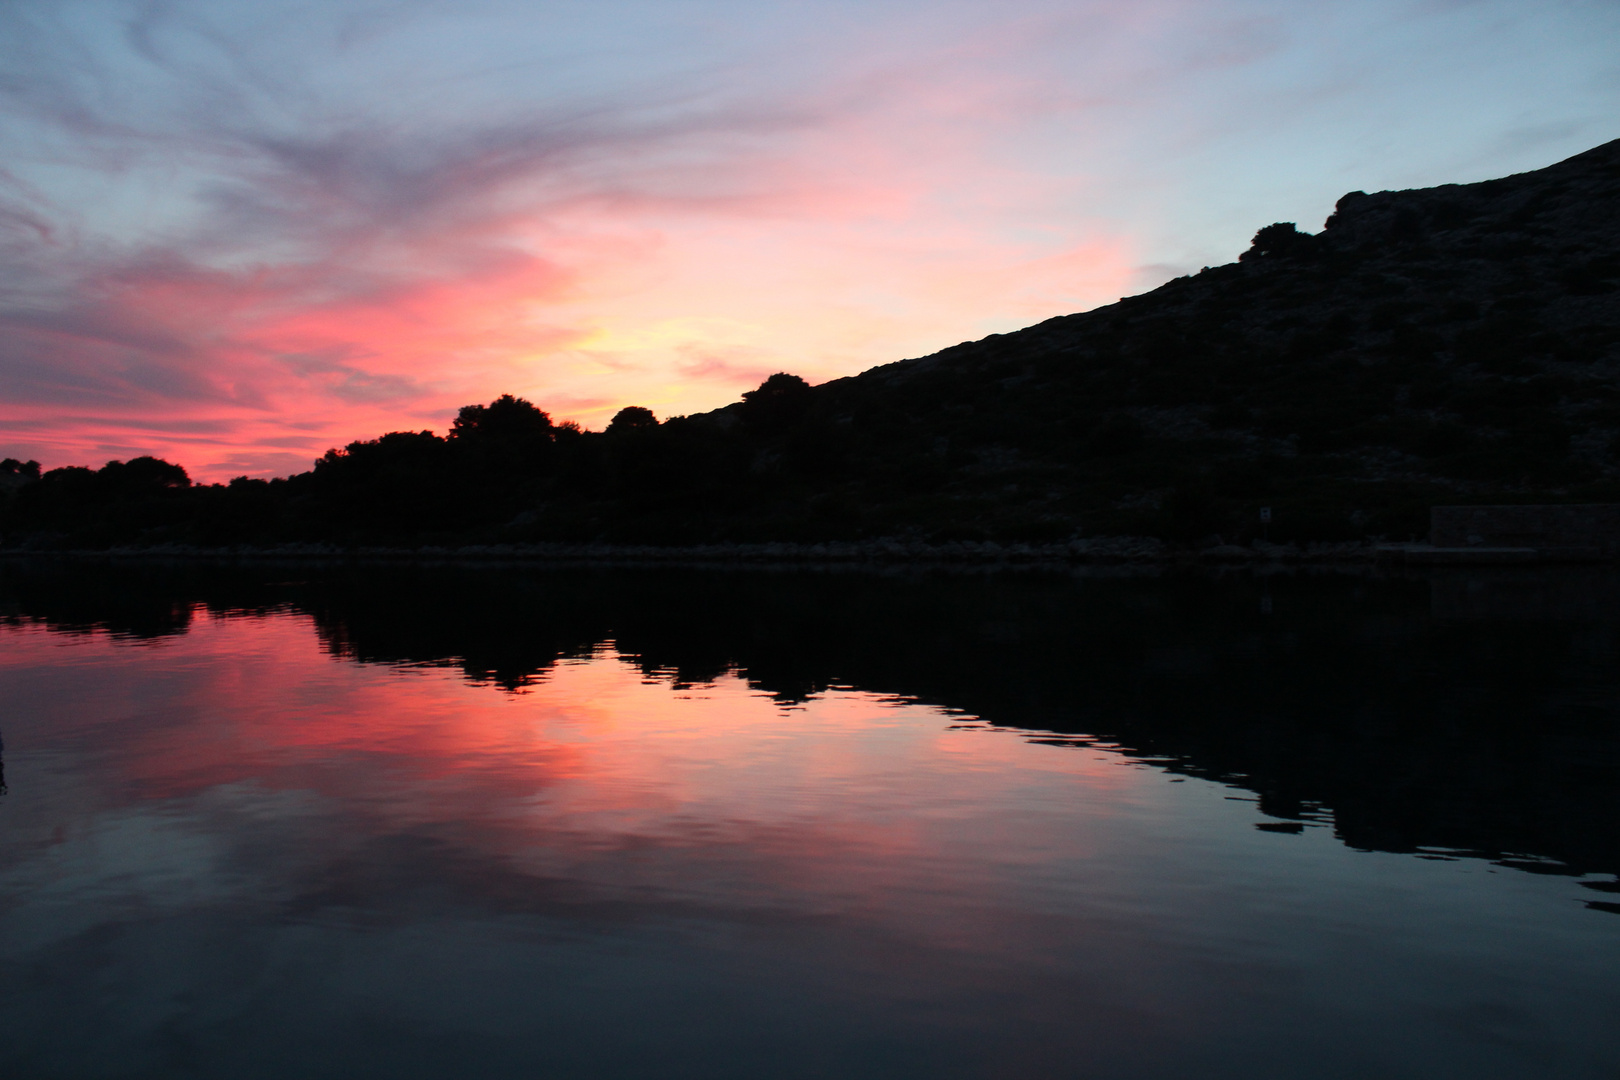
(299, 822)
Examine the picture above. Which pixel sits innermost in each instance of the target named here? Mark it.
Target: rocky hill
(1459, 343)
(1453, 344)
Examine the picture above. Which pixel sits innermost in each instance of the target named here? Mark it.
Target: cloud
(292, 220)
(733, 366)
(292, 259)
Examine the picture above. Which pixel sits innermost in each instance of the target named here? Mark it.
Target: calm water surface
(305, 823)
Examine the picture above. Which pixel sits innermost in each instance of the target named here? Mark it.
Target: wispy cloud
(249, 223)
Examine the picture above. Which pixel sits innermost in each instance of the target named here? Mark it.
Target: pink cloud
(340, 286)
(222, 228)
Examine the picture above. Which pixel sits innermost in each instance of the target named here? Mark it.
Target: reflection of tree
(1346, 701)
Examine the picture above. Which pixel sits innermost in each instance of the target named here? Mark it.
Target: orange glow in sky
(234, 235)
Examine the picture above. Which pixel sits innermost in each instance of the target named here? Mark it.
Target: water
(317, 822)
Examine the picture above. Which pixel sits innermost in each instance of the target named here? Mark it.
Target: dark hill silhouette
(1459, 343)
(1451, 344)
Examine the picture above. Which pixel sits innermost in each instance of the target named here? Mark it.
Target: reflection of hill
(1409, 714)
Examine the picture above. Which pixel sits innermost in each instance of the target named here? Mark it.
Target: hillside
(1451, 344)
(1459, 343)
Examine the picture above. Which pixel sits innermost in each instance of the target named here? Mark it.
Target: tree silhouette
(509, 436)
(632, 418)
(403, 480)
(506, 420)
(778, 388)
(142, 476)
(1282, 240)
(780, 400)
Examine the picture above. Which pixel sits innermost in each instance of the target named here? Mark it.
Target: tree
(142, 476)
(779, 387)
(1281, 240)
(506, 437)
(632, 418)
(780, 400)
(507, 423)
(403, 480)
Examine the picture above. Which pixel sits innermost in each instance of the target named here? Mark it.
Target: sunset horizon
(237, 236)
(859, 539)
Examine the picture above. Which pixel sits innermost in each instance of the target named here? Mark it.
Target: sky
(236, 233)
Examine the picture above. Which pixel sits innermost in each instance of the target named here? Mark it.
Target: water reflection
(1475, 713)
(612, 823)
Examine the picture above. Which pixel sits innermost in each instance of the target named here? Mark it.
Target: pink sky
(234, 235)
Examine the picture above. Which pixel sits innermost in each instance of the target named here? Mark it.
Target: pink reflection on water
(842, 801)
(614, 843)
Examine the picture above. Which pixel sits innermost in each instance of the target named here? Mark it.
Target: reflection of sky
(237, 233)
(233, 849)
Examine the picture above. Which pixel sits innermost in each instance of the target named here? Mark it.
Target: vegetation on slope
(1453, 344)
